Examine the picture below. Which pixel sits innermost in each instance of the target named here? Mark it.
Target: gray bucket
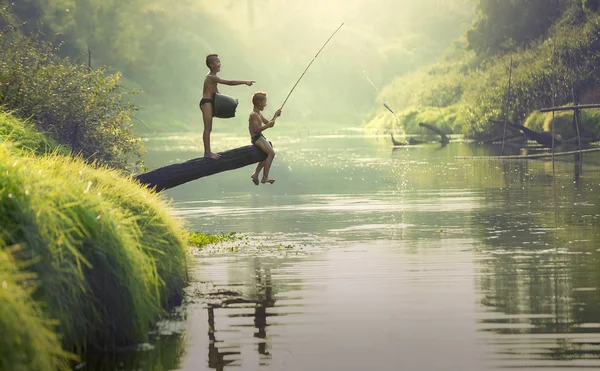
(224, 106)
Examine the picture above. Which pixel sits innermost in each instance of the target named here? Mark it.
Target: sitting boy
(256, 127)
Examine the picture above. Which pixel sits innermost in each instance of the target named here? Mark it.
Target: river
(362, 256)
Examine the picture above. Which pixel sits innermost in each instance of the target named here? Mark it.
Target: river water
(362, 256)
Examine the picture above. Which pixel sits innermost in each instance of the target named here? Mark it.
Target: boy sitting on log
(256, 127)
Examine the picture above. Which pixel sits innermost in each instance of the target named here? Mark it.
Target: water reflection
(260, 299)
(540, 273)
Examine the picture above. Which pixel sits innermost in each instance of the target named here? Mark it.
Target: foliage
(591, 4)
(504, 26)
(85, 110)
(554, 71)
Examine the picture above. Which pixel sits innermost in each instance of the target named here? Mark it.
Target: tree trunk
(173, 175)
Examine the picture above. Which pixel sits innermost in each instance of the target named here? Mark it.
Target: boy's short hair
(211, 58)
(259, 96)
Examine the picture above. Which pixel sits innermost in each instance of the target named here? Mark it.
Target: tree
(506, 25)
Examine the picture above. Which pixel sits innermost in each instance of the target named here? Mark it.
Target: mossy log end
(171, 176)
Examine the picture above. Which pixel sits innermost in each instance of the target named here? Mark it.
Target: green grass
(22, 136)
(563, 122)
(28, 341)
(108, 257)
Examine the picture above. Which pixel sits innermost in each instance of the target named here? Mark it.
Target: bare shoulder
(254, 118)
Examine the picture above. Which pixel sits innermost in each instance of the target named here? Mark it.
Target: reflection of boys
(216, 360)
(210, 88)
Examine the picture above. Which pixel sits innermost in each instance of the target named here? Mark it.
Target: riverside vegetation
(552, 45)
(89, 259)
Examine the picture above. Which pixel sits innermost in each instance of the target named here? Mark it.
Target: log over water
(176, 174)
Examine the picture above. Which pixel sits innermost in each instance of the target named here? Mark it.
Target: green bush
(591, 5)
(85, 110)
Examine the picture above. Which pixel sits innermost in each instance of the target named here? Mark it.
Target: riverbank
(467, 89)
(87, 255)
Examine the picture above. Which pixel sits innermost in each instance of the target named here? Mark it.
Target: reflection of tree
(166, 354)
(541, 268)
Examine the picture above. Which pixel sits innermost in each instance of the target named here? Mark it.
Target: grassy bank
(95, 258)
(28, 340)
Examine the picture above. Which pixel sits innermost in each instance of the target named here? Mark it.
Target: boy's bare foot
(270, 181)
(214, 156)
(254, 179)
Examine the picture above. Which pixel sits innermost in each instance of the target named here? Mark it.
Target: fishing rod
(377, 91)
(311, 62)
(371, 82)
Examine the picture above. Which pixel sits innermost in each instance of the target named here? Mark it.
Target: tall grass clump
(150, 215)
(23, 136)
(106, 263)
(86, 110)
(28, 341)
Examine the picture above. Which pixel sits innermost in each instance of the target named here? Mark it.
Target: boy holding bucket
(208, 99)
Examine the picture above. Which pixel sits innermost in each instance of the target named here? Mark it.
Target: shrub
(77, 107)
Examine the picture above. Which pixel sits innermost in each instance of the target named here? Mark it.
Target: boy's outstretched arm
(219, 80)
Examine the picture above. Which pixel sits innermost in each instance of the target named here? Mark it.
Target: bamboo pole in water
(569, 108)
(507, 103)
(521, 157)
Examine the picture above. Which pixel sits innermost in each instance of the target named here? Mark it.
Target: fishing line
(311, 62)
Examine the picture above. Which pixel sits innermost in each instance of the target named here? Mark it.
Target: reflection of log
(444, 138)
(513, 138)
(173, 175)
(411, 141)
(395, 142)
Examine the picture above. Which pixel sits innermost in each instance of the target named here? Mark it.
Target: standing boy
(256, 127)
(206, 103)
